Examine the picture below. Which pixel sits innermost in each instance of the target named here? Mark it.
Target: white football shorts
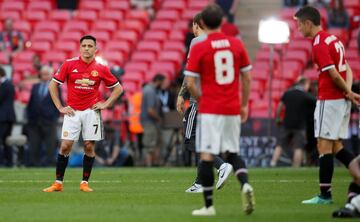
(331, 119)
(218, 133)
(87, 121)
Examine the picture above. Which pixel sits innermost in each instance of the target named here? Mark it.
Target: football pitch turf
(157, 194)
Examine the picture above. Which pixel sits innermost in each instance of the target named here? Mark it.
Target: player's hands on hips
(67, 110)
(99, 106)
(244, 111)
(180, 104)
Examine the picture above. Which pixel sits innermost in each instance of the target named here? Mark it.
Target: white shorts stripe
(190, 121)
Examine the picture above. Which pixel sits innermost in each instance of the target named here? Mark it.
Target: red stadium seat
(21, 67)
(15, 15)
(189, 14)
(162, 25)
(288, 13)
(140, 15)
(53, 26)
(353, 44)
(304, 45)
(172, 56)
(105, 25)
(291, 70)
(182, 25)
(101, 35)
(130, 87)
(118, 5)
(119, 45)
(167, 15)
(23, 56)
(43, 36)
(24, 96)
(134, 66)
(70, 36)
(147, 57)
(178, 5)
(134, 25)
(85, 15)
(312, 74)
(352, 54)
(160, 36)
(81, 26)
(174, 45)
(133, 76)
(22, 26)
(54, 57)
(40, 5)
(127, 35)
(199, 4)
(13, 6)
(177, 35)
(4, 58)
(91, 5)
(40, 46)
(34, 16)
(257, 86)
(260, 74)
(66, 46)
(153, 46)
(113, 58)
(297, 55)
(164, 67)
(109, 14)
(59, 15)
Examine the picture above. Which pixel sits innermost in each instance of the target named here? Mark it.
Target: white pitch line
(78, 181)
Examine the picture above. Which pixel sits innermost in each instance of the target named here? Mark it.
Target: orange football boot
(84, 186)
(55, 187)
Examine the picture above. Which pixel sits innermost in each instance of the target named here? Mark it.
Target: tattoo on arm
(184, 92)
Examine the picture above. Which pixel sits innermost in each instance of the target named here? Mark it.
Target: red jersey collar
(83, 62)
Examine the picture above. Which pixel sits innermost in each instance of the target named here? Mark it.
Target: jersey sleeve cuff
(56, 80)
(246, 68)
(113, 85)
(325, 68)
(189, 73)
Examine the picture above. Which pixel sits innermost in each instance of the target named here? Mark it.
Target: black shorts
(190, 127)
(292, 138)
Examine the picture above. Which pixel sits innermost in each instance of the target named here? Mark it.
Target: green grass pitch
(157, 194)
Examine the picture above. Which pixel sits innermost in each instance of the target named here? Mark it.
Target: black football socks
(87, 167)
(207, 178)
(61, 165)
(326, 170)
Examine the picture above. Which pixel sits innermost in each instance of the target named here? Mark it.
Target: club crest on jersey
(66, 134)
(85, 82)
(94, 73)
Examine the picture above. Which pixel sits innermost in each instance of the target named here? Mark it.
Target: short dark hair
(158, 77)
(88, 37)
(197, 20)
(302, 80)
(212, 16)
(308, 13)
(2, 72)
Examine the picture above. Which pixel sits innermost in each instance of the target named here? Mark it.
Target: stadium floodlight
(272, 31)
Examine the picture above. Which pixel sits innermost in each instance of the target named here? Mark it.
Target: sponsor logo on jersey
(85, 82)
(94, 73)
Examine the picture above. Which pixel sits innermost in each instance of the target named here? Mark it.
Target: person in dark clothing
(42, 118)
(299, 105)
(7, 116)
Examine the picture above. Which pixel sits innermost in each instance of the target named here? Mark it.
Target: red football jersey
(328, 53)
(83, 81)
(218, 60)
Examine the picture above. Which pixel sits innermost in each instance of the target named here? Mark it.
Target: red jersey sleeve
(245, 64)
(109, 79)
(193, 62)
(322, 57)
(61, 74)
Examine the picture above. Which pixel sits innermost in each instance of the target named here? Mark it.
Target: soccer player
(218, 61)
(352, 207)
(83, 75)
(223, 168)
(332, 110)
